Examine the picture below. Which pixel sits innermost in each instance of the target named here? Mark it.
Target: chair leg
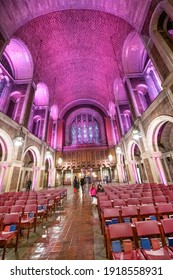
(4, 251)
(17, 239)
(28, 231)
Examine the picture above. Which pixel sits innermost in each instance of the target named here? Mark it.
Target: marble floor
(71, 233)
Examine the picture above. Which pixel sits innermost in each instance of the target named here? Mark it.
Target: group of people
(94, 189)
(77, 183)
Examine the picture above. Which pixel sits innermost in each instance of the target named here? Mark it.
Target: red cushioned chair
(109, 214)
(147, 210)
(150, 229)
(12, 219)
(120, 233)
(164, 209)
(29, 219)
(130, 212)
(167, 226)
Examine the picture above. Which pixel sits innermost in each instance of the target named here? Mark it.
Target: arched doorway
(30, 168)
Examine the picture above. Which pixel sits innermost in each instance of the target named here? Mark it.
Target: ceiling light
(19, 140)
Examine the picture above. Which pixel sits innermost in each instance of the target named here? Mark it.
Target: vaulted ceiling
(76, 45)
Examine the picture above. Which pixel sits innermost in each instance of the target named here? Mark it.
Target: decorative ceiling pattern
(79, 49)
(80, 56)
(14, 14)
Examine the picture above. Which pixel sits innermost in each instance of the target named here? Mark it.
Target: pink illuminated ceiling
(78, 49)
(15, 13)
(82, 42)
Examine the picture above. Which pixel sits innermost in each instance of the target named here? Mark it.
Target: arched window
(84, 130)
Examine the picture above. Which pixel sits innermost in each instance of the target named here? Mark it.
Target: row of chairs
(143, 240)
(132, 201)
(14, 219)
(129, 214)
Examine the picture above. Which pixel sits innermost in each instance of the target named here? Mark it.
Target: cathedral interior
(86, 89)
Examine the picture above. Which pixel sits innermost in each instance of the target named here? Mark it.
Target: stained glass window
(85, 130)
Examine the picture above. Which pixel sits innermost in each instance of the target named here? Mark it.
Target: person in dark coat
(76, 184)
(100, 188)
(28, 185)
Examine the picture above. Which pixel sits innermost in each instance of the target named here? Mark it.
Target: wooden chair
(12, 222)
(149, 233)
(130, 211)
(145, 211)
(164, 209)
(29, 218)
(121, 233)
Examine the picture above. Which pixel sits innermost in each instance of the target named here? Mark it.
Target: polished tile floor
(72, 233)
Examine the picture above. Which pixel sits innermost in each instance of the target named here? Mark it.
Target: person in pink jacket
(93, 192)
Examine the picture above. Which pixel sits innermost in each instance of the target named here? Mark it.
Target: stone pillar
(27, 105)
(60, 134)
(151, 87)
(135, 105)
(109, 132)
(45, 124)
(49, 132)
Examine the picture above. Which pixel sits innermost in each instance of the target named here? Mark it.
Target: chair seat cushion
(132, 255)
(4, 236)
(161, 254)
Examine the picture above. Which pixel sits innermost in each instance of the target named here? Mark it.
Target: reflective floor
(71, 233)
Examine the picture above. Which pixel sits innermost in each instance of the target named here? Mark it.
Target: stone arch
(6, 152)
(41, 97)
(22, 69)
(31, 159)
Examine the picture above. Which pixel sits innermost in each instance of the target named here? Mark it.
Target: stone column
(27, 105)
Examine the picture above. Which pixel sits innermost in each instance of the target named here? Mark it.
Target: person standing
(93, 193)
(75, 184)
(28, 185)
(82, 183)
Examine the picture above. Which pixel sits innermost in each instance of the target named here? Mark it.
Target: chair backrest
(133, 201)
(161, 198)
(17, 209)
(109, 213)
(167, 225)
(119, 202)
(147, 228)
(121, 230)
(20, 202)
(129, 211)
(147, 209)
(105, 203)
(136, 195)
(31, 201)
(12, 218)
(9, 203)
(4, 209)
(164, 208)
(125, 195)
(146, 194)
(30, 208)
(146, 200)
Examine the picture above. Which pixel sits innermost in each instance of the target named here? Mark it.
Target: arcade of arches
(77, 87)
